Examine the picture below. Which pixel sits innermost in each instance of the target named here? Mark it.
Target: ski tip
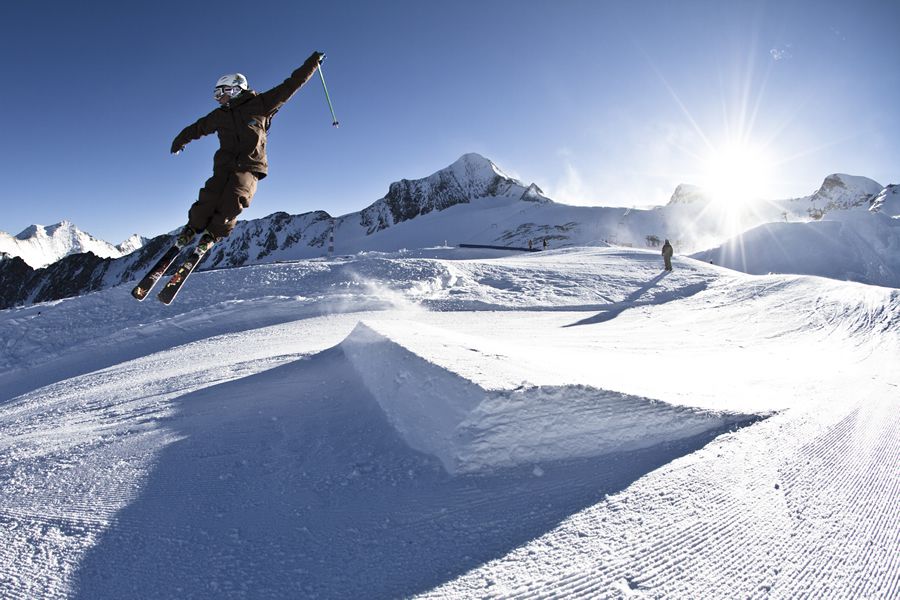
(164, 299)
(139, 293)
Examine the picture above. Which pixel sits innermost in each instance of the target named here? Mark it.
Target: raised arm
(281, 93)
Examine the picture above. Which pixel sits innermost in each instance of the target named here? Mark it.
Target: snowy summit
(40, 246)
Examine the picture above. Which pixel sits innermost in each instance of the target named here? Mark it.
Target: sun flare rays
(734, 158)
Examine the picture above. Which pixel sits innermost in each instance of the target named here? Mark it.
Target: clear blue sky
(598, 102)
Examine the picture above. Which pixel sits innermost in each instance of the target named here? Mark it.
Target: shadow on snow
(291, 483)
(613, 310)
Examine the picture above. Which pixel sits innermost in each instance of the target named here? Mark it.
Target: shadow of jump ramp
(474, 427)
(296, 482)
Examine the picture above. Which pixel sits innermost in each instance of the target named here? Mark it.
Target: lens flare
(737, 174)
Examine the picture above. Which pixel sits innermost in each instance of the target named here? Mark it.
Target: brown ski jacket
(242, 124)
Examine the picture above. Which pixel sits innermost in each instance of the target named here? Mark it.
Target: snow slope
(848, 246)
(441, 423)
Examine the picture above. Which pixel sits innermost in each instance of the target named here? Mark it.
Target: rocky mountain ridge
(470, 201)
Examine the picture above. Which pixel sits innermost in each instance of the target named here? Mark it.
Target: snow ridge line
(473, 429)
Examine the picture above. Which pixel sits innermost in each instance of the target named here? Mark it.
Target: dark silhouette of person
(667, 255)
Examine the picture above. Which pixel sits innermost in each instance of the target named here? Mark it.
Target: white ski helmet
(232, 80)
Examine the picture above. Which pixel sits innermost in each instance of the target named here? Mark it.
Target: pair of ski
(175, 283)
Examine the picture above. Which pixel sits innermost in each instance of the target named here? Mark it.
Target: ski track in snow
(569, 424)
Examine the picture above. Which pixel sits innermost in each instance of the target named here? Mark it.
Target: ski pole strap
(334, 120)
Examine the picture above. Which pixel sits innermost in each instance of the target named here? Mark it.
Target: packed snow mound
(40, 246)
(846, 245)
(473, 427)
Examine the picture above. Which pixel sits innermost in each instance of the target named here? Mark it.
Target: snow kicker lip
(472, 429)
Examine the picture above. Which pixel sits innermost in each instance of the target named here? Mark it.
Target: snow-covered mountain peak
(843, 191)
(40, 245)
(30, 232)
(63, 226)
(132, 243)
(850, 182)
(688, 194)
(535, 194)
(474, 167)
(57, 230)
(471, 172)
(471, 177)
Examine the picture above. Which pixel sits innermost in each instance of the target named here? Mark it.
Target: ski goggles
(231, 91)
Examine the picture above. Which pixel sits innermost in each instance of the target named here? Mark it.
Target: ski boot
(186, 236)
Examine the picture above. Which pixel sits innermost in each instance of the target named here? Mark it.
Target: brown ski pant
(221, 200)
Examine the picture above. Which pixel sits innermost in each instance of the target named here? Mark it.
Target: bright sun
(737, 174)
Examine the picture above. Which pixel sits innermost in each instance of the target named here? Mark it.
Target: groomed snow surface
(442, 424)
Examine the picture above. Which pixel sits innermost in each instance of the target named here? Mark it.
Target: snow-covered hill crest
(844, 245)
(40, 246)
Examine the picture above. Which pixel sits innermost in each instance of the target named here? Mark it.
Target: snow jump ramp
(475, 419)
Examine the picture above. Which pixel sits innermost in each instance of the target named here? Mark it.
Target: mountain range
(472, 201)
(40, 246)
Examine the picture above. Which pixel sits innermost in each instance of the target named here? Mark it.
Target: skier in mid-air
(242, 123)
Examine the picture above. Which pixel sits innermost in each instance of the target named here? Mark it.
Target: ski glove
(176, 148)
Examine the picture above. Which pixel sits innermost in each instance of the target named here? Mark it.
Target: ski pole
(334, 120)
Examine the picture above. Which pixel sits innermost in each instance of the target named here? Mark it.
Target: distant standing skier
(667, 254)
(241, 122)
